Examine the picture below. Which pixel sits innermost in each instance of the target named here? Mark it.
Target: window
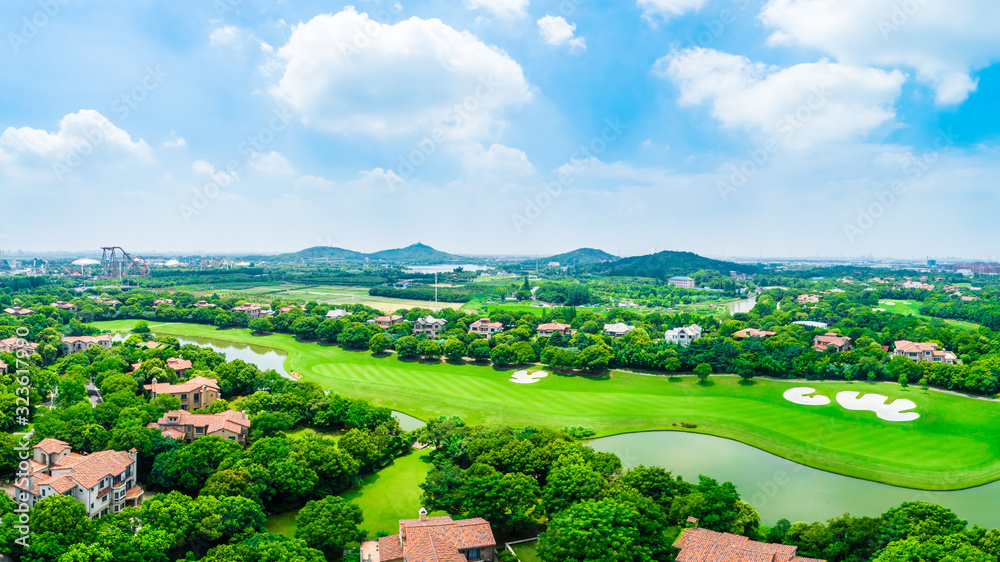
(105, 499)
(199, 430)
(184, 396)
(197, 397)
(472, 554)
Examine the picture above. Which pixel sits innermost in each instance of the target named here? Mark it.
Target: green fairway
(385, 497)
(952, 445)
(525, 552)
(912, 308)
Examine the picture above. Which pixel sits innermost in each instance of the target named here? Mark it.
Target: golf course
(953, 444)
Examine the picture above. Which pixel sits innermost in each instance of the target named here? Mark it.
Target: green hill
(669, 264)
(582, 256)
(417, 253)
(320, 253)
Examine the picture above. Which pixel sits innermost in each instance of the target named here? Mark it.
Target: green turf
(303, 432)
(526, 552)
(385, 497)
(912, 308)
(952, 446)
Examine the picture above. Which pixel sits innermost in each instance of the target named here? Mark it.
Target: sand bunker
(524, 377)
(894, 411)
(800, 396)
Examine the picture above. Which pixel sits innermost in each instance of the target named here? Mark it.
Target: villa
(429, 326)
(18, 311)
(808, 299)
(203, 304)
(179, 366)
(388, 321)
(925, 351)
(105, 481)
(702, 545)
(65, 306)
(546, 330)
(251, 310)
(617, 329)
(185, 426)
(82, 343)
(486, 328)
(684, 336)
(13, 343)
(753, 333)
(337, 313)
(434, 539)
(289, 308)
(196, 393)
(840, 343)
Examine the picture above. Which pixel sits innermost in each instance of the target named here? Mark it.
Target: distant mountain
(668, 264)
(582, 256)
(320, 253)
(417, 253)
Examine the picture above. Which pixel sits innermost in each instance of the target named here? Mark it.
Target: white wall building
(684, 336)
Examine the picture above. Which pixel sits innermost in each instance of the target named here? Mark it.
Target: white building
(682, 282)
(684, 336)
(617, 330)
(83, 343)
(337, 313)
(105, 481)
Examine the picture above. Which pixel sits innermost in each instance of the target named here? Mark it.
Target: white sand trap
(887, 303)
(878, 309)
(894, 411)
(524, 377)
(799, 395)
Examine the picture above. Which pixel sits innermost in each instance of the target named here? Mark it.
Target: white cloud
(227, 35)
(221, 178)
(499, 160)
(946, 42)
(800, 106)
(507, 9)
(271, 163)
(82, 132)
(403, 79)
(174, 141)
(367, 180)
(669, 8)
(557, 31)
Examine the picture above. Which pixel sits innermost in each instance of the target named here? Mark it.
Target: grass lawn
(385, 497)
(912, 308)
(952, 445)
(303, 432)
(526, 552)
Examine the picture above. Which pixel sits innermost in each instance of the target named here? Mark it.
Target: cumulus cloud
(557, 31)
(82, 132)
(507, 9)
(945, 42)
(174, 141)
(803, 104)
(498, 160)
(227, 35)
(271, 163)
(669, 8)
(208, 171)
(367, 180)
(401, 79)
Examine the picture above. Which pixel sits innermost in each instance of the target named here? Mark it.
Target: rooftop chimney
(423, 514)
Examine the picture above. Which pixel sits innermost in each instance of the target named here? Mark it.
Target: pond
(264, 357)
(780, 488)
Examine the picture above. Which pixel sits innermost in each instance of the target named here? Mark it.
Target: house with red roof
(105, 481)
(824, 342)
(924, 351)
(183, 425)
(73, 344)
(486, 328)
(547, 329)
(434, 539)
(14, 343)
(753, 333)
(196, 393)
(702, 545)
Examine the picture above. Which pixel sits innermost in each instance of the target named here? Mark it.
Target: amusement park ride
(117, 263)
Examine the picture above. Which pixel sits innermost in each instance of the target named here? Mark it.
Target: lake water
(264, 357)
(743, 305)
(780, 488)
(408, 422)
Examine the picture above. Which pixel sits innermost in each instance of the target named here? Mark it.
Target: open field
(526, 552)
(912, 308)
(952, 445)
(385, 497)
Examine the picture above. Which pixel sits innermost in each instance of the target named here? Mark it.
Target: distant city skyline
(720, 127)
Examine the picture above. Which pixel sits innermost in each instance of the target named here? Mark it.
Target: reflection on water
(780, 488)
(408, 422)
(264, 357)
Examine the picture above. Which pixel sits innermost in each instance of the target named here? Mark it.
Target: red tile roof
(229, 420)
(189, 386)
(51, 446)
(702, 545)
(753, 333)
(436, 539)
(178, 364)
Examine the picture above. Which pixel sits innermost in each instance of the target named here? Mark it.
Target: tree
(57, 523)
(407, 347)
(569, 484)
(479, 349)
(430, 349)
(454, 349)
(951, 548)
(379, 343)
(592, 531)
(703, 370)
(261, 325)
(304, 327)
(190, 466)
(141, 327)
(329, 524)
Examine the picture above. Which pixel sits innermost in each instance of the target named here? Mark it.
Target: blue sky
(724, 127)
